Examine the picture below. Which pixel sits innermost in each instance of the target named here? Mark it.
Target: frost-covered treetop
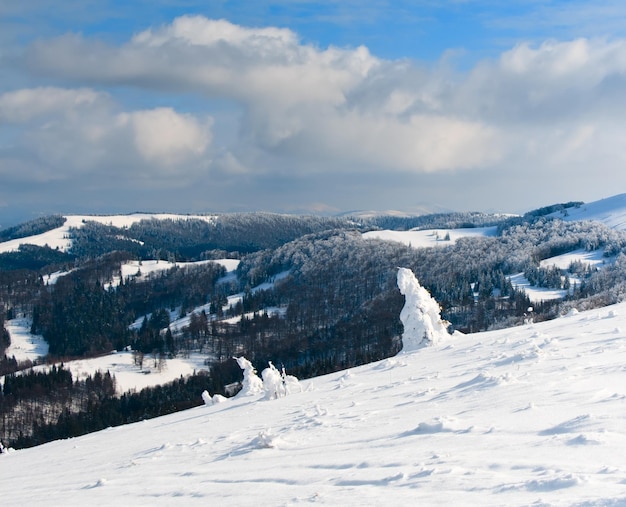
(420, 315)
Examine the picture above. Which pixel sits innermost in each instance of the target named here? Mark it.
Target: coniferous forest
(312, 294)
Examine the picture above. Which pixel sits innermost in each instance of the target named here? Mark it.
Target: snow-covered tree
(420, 315)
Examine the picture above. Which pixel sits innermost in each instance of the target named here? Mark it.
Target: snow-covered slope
(610, 211)
(24, 344)
(430, 237)
(534, 415)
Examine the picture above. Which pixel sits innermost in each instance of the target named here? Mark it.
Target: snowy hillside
(428, 238)
(610, 211)
(529, 415)
(59, 237)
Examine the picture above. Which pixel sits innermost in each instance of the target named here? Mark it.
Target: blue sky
(303, 106)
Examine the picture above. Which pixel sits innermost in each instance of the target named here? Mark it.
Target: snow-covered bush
(277, 384)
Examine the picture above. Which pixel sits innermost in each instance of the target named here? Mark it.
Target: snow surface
(610, 211)
(594, 258)
(534, 415)
(430, 237)
(59, 237)
(128, 376)
(131, 377)
(52, 278)
(270, 311)
(140, 269)
(24, 345)
(537, 294)
(146, 267)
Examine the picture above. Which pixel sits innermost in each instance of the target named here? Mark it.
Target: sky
(304, 106)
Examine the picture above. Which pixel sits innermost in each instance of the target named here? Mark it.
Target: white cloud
(421, 143)
(60, 133)
(24, 105)
(552, 82)
(166, 137)
(200, 31)
(344, 108)
(304, 101)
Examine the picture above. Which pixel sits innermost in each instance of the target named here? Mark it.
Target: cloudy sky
(309, 106)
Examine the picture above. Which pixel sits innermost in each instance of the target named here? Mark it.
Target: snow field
(24, 345)
(611, 211)
(128, 376)
(430, 237)
(529, 415)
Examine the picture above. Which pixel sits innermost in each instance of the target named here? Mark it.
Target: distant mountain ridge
(416, 211)
(610, 211)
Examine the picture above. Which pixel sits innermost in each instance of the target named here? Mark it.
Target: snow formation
(277, 384)
(420, 315)
(252, 384)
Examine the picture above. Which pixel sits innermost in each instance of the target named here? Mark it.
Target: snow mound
(212, 400)
(266, 440)
(206, 398)
(420, 315)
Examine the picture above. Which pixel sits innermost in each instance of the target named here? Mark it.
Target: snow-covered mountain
(529, 415)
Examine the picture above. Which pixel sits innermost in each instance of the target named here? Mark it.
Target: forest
(314, 296)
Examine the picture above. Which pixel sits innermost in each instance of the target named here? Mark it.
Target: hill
(530, 415)
(610, 211)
